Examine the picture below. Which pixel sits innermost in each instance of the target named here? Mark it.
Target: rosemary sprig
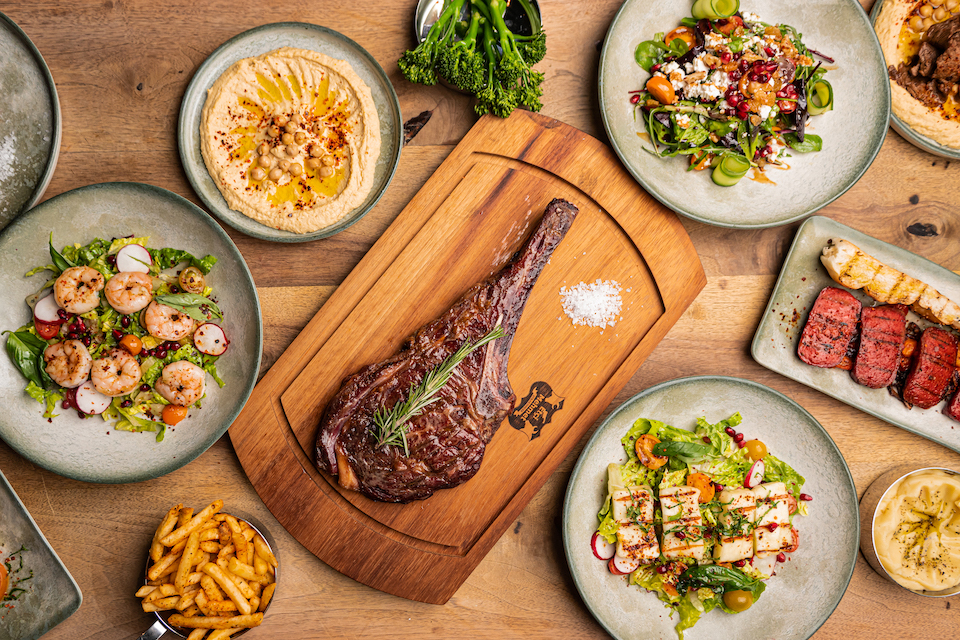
(390, 427)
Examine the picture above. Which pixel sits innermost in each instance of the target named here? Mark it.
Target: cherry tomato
(702, 482)
(644, 448)
(738, 600)
(786, 106)
(131, 343)
(795, 543)
(173, 413)
(684, 33)
(46, 330)
(661, 89)
(756, 450)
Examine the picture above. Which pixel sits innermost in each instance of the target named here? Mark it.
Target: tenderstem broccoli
(488, 60)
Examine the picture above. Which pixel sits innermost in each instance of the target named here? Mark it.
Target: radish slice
(134, 257)
(91, 401)
(601, 548)
(211, 340)
(622, 566)
(755, 475)
(46, 310)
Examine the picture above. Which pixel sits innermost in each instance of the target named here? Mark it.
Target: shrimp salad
(701, 518)
(731, 93)
(121, 330)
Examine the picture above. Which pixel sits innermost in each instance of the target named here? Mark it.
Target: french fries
(213, 570)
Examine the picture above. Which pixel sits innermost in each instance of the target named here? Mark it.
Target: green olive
(738, 600)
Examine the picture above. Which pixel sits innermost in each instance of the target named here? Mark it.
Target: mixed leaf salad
(730, 91)
(698, 517)
(60, 351)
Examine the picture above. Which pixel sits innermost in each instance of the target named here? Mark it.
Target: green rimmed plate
(852, 133)
(51, 595)
(89, 449)
(30, 126)
(262, 40)
(806, 589)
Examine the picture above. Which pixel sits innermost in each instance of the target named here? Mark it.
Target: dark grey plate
(801, 279)
(262, 40)
(806, 589)
(29, 122)
(852, 133)
(52, 594)
(89, 449)
(913, 137)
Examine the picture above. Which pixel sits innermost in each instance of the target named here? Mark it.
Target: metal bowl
(870, 505)
(162, 626)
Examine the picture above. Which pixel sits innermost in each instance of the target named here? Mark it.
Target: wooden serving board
(466, 221)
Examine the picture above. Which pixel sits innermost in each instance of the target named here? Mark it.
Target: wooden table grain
(121, 68)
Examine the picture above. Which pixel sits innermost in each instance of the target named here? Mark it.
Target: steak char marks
(932, 368)
(448, 439)
(882, 333)
(831, 326)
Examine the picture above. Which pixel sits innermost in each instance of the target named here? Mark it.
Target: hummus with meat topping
(923, 69)
(291, 138)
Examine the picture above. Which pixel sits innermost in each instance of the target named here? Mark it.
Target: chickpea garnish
(275, 174)
(299, 137)
(290, 127)
(286, 138)
(292, 149)
(264, 149)
(296, 119)
(265, 161)
(326, 172)
(295, 170)
(328, 161)
(280, 120)
(316, 151)
(285, 164)
(273, 131)
(313, 163)
(258, 174)
(277, 151)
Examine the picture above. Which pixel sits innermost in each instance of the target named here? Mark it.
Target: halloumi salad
(701, 518)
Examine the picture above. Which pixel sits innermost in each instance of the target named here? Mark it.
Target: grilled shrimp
(129, 291)
(67, 363)
(166, 322)
(78, 289)
(115, 373)
(853, 268)
(181, 383)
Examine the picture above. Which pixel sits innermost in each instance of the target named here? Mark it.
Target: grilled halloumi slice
(772, 508)
(636, 537)
(739, 513)
(852, 268)
(682, 524)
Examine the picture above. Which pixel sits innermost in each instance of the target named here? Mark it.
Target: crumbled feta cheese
(676, 79)
(752, 42)
(713, 41)
(764, 112)
(705, 92)
(775, 148)
(720, 78)
(749, 18)
(699, 64)
(724, 105)
(683, 120)
(670, 67)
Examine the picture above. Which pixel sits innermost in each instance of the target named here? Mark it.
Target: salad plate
(51, 595)
(29, 122)
(801, 279)
(90, 449)
(852, 132)
(805, 590)
(261, 40)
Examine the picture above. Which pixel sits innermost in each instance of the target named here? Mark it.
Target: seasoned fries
(212, 569)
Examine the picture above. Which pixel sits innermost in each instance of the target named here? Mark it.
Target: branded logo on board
(536, 410)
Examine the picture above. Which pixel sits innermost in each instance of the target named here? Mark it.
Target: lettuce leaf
(727, 471)
(723, 445)
(128, 420)
(776, 470)
(46, 397)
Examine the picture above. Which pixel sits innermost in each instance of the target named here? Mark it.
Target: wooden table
(121, 68)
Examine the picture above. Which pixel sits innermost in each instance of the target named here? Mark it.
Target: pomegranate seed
(66, 404)
(144, 387)
(81, 414)
(174, 289)
(125, 321)
(744, 65)
(680, 535)
(740, 563)
(763, 78)
(772, 66)
(112, 260)
(781, 557)
(729, 112)
(655, 67)
(806, 497)
(773, 526)
(754, 76)
(126, 403)
(634, 99)
(706, 439)
(662, 569)
(717, 487)
(741, 445)
(734, 75)
(738, 437)
(117, 334)
(72, 336)
(725, 57)
(86, 341)
(729, 431)
(769, 51)
(733, 100)
(61, 314)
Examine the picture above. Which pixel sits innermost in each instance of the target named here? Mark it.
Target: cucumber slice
(819, 98)
(730, 171)
(715, 9)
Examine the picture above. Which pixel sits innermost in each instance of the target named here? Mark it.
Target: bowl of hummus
(910, 529)
(290, 132)
(921, 45)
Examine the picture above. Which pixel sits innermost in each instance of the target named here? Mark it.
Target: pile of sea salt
(596, 304)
